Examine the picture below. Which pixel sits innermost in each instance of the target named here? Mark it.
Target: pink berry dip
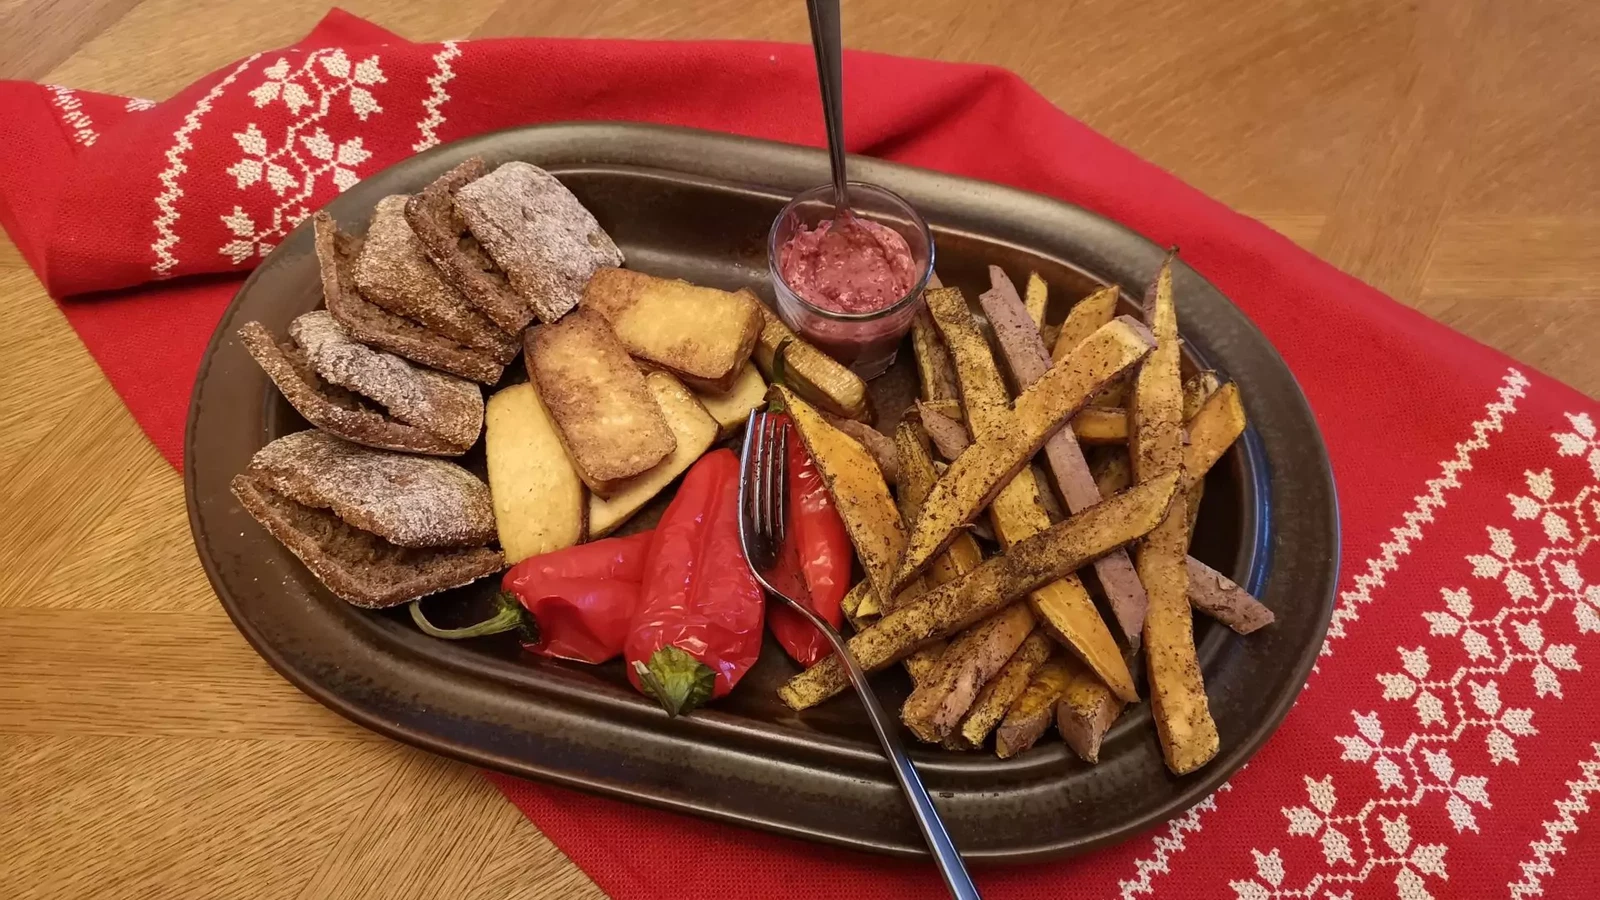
(848, 265)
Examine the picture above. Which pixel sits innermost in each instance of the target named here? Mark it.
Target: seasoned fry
(875, 442)
(939, 702)
(1112, 470)
(917, 477)
(1063, 608)
(1085, 318)
(980, 473)
(1100, 425)
(921, 663)
(860, 605)
(950, 409)
(812, 374)
(1030, 713)
(935, 374)
(1212, 430)
(1217, 596)
(1197, 389)
(948, 434)
(1155, 441)
(1037, 298)
(1004, 689)
(1024, 567)
(1025, 355)
(858, 490)
(1085, 712)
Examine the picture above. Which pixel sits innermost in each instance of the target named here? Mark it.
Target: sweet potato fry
(1063, 608)
(1085, 712)
(859, 493)
(922, 662)
(875, 442)
(1003, 689)
(1024, 567)
(1085, 318)
(1026, 357)
(936, 376)
(948, 434)
(939, 701)
(1155, 442)
(916, 478)
(1095, 425)
(1217, 596)
(1006, 442)
(1030, 714)
(1111, 468)
(1037, 299)
(1214, 426)
(1197, 389)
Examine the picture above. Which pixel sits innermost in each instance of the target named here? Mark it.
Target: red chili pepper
(698, 628)
(820, 549)
(570, 604)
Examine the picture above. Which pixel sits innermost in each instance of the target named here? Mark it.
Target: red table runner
(1444, 747)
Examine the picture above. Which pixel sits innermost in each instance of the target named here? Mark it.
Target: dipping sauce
(848, 265)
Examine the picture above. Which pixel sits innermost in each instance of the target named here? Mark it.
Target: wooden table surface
(1443, 150)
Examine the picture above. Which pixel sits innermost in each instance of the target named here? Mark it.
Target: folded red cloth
(1443, 748)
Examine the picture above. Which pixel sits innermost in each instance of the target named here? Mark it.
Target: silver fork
(763, 502)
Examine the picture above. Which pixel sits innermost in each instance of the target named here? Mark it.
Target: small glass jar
(866, 342)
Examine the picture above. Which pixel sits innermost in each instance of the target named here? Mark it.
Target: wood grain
(1440, 149)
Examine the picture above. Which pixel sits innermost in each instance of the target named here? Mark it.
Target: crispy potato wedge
(875, 442)
(923, 661)
(1025, 355)
(1085, 318)
(948, 434)
(1037, 299)
(538, 497)
(859, 493)
(1219, 597)
(985, 468)
(1030, 714)
(702, 335)
(1027, 565)
(917, 477)
(1212, 430)
(1085, 712)
(733, 408)
(1001, 691)
(609, 423)
(936, 377)
(1196, 389)
(974, 657)
(1063, 608)
(1112, 471)
(1095, 425)
(860, 605)
(694, 430)
(1155, 442)
(814, 375)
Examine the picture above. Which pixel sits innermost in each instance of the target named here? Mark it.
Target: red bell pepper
(698, 627)
(820, 548)
(570, 604)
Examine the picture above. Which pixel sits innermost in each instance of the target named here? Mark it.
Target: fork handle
(951, 868)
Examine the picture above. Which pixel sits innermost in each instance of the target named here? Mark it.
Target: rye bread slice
(538, 233)
(372, 325)
(357, 566)
(332, 408)
(444, 235)
(444, 405)
(394, 272)
(412, 501)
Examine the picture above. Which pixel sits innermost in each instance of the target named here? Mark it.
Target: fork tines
(770, 494)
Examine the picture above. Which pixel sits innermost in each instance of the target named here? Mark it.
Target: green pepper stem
(508, 616)
(678, 681)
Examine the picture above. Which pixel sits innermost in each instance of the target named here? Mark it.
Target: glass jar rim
(810, 194)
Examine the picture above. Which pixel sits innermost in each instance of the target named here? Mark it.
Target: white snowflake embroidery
(433, 118)
(1403, 540)
(138, 104)
(293, 168)
(1417, 775)
(73, 114)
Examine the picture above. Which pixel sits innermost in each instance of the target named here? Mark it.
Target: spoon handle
(826, 42)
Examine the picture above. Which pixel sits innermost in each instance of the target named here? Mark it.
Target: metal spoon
(830, 74)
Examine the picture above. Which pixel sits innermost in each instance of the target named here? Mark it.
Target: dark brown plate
(697, 205)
